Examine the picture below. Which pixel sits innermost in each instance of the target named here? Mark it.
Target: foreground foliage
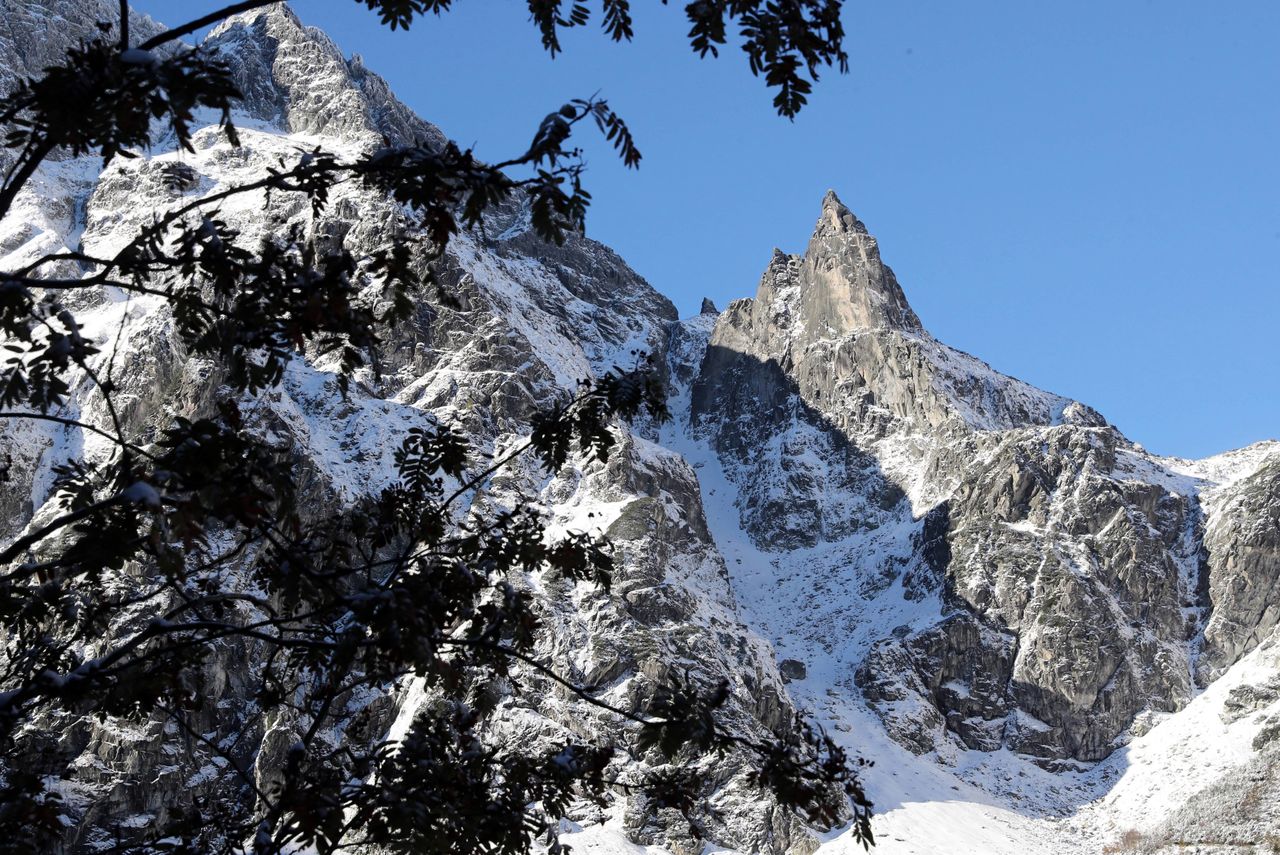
(198, 537)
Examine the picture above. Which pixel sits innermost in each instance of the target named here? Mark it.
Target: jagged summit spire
(844, 286)
(837, 217)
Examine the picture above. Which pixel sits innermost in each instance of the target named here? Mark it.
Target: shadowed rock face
(1069, 564)
(1242, 542)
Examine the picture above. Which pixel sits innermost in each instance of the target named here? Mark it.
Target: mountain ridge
(984, 586)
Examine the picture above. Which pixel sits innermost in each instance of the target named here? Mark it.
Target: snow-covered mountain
(1044, 636)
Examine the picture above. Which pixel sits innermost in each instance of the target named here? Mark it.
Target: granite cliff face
(973, 582)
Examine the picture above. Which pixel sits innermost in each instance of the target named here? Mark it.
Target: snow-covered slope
(1042, 635)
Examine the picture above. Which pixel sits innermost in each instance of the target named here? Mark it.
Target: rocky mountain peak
(844, 286)
(296, 78)
(837, 323)
(836, 218)
(278, 14)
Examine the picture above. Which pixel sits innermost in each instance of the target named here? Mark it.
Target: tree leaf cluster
(199, 542)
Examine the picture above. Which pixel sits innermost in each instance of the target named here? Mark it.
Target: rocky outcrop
(1242, 542)
(1048, 540)
(296, 78)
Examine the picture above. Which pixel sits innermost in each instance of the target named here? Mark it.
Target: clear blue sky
(1084, 194)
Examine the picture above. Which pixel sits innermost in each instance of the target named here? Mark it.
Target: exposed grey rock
(1242, 541)
(1017, 573)
(294, 76)
(792, 669)
(843, 284)
(1247, 699)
